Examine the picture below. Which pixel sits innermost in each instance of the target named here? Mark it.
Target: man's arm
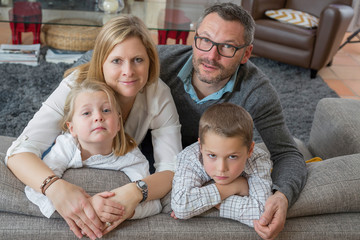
(262, 102)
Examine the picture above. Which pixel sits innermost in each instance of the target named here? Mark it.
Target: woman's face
(126, 69)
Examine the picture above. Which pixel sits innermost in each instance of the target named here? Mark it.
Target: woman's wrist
(138, 195)
(53, 190)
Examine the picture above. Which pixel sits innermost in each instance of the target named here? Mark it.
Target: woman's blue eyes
(136, 60)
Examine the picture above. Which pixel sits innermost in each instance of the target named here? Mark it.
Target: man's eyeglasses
(224, 49)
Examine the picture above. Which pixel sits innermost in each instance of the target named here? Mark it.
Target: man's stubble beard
(224, 74)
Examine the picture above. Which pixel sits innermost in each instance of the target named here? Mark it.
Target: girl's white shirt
(154, 109)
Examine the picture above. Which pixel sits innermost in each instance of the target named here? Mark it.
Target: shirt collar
(185, 75)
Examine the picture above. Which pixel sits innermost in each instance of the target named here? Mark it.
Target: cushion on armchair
(298, 18)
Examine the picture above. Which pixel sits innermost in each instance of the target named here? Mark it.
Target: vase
(111, 6)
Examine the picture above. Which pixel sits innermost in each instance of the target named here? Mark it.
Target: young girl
(94, 137)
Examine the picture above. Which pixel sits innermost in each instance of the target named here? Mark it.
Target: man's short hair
(233, 12)
(227, 120)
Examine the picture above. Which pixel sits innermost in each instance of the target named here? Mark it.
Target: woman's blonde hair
(115, 31)
(122, 142)
(227, 120)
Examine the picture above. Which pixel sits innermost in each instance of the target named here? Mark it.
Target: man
(216, 69)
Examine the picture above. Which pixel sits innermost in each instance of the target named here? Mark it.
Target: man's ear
(71, 129)
(251, 149)
(247, 54)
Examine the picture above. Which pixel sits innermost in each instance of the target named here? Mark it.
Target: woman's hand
(106, 209)
(73, 204)
(129, 197)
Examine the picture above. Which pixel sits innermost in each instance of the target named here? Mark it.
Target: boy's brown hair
(228, 120)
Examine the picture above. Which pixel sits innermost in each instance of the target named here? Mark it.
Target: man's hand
(106, 209)
(272, 221)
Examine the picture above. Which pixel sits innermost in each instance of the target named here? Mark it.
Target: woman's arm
(69, 200)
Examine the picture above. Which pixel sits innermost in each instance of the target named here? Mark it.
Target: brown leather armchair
(308, 48)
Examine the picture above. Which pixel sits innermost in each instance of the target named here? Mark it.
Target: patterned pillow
(291, 16)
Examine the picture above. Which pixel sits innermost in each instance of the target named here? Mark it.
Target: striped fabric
(293, 17)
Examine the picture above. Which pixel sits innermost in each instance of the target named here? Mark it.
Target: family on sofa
(215, 70)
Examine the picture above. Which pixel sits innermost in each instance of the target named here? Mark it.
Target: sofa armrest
(333, 23)
(257, 8)
(335, 129)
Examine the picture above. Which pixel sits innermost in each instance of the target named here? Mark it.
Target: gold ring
(108, 224)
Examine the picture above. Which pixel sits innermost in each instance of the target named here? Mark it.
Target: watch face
(142, 184)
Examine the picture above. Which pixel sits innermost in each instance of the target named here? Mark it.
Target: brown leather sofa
(308, 48)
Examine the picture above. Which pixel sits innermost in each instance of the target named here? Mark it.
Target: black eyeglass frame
(217, 46)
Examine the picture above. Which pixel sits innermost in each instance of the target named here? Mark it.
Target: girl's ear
(71, 129)
(251, 149)
(199, 143)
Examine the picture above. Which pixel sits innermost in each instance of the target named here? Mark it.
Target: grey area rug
(23, 89)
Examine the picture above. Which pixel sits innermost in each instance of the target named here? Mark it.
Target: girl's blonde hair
(115, 31)
(122, 142)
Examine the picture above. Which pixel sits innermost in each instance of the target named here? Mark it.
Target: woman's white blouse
(154, 109)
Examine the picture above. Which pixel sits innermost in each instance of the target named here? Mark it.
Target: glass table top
(156, 14)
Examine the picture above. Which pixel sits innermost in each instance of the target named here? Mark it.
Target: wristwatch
(143, 188)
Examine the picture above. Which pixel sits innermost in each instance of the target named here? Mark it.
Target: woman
(124, 57)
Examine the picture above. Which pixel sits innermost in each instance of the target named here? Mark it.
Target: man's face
(210, 67)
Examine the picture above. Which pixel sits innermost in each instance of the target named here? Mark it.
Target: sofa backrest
(314, 7)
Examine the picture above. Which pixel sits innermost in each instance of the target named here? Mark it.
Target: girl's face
(94, 120)
(126, 69)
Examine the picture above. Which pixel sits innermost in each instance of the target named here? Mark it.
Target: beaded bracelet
(47, 182)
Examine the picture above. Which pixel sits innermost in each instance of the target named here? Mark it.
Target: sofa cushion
(333, 186)
(335, 129)
(298, 18)
(14, 200)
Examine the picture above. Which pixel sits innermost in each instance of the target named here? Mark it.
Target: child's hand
(172, 214)
(242, 186)
(107, 210)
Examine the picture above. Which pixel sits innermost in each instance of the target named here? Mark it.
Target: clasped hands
(90, 216)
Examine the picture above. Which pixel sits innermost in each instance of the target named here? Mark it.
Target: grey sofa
(328, 208)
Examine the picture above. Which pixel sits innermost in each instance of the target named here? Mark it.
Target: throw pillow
(294, 17)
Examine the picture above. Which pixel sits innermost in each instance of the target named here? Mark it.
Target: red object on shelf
(25, 17)
(175, 19)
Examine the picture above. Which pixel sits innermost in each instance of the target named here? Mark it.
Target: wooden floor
(343, 76)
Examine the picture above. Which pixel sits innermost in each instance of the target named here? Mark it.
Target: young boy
(226, 156)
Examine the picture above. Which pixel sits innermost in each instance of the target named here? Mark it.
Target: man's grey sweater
(252, 91)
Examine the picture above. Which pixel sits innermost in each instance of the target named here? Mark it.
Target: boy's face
(224, 158)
